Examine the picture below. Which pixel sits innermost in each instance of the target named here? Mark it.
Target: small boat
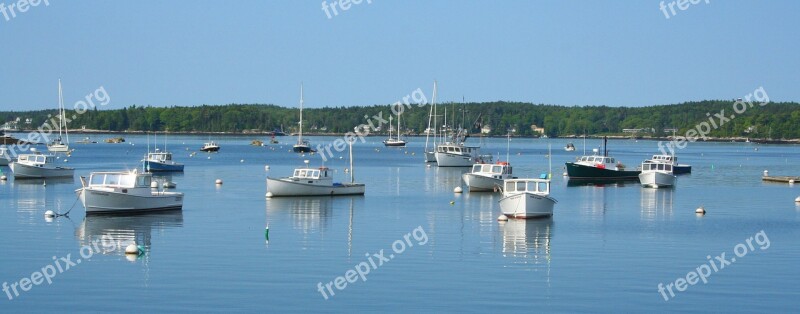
(656, 175)
(115, 140)
(459, 155)
(302, 146)
(394, 142)
(314, 182)
(125, 192)
(527, 198)
(570, 147)
(5, 156)
(59, 146)
(210, 147)
(38, 166)
(599, 167)
(672, 160)
(161, 162)
(86, 141)
(487, 177)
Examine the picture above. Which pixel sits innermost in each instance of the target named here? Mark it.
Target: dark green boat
(599, 167)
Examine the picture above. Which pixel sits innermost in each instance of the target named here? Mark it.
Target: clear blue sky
(619, 53)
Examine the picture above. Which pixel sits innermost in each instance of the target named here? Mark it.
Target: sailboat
(395, 142)
(57, 146)
(302, 146)
(430, 153)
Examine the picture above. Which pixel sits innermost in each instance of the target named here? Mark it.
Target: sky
(187, 53)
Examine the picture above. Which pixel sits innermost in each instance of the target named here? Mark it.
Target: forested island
(772, 120)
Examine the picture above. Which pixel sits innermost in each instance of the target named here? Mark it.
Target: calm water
(606, 249)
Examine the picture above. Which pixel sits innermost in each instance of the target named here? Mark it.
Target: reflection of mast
(350, 231)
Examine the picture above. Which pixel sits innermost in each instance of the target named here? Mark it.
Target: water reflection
(527, 239)
(115, 232)
(309, 214)
(444, 179)
(602, 183)
(657, 204)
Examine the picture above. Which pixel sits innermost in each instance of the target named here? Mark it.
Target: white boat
(459, 155)
(302, 146)
(656, 175)
(314, 182)
(570, 147)
(487, 177)
(38, 166)
(395, 142)
(430, 153)
(5, 156)
(210, 147)
(125, 192)
(58, 145)
(527, 198)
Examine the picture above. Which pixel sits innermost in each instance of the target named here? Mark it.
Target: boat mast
(508, 145)
(300, 137)
(352, 176)
(60, 108)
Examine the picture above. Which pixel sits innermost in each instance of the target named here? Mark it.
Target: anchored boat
(657, 175)
(487, 177)
(125, 192)
(527, 198)
(39, 166)
(314, 182)
(599, 167)
(672, 160)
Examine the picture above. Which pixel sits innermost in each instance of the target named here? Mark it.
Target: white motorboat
(570, 147)
(487, 177)
(656, 175)
(314, 182)
(125, 192)
(527, 198)
(38, 166)
(459, 155)
(59, 145)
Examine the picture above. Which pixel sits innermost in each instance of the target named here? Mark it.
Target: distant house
(486, 129)
(537, 129)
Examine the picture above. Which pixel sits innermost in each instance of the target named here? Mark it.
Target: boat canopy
(648, 166)
(598, 159)
(499, 168)
(307, 173)
(120, 179)
(537, 186)
(36, 159)
(159, 156)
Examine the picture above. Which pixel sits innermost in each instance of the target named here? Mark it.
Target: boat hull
(527, 205)
(582, 172)
(656, 179)
(478, 183)
(394, 144)
(58, 148)
(209, 149)
(302, 149)
(154, 166)
(29, 172)
(681, 169)
(454, 160)
(106, 202)
(280, 188)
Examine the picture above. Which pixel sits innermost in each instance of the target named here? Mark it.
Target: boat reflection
(42, 182)
(308, 214)
(603, 183)
(444, 179)
(657, 204)
(527, 239)
(115, 232)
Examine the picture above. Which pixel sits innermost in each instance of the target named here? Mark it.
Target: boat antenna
(508, 146)
(549, 162)
(584, 142)
(605, 146)
(352, 177)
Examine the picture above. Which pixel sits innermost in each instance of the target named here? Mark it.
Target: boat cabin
(656, 166)
(665, 159)
(36, 159)
(126, 180)
(498, 169)
(597, 160)
(160, 156)
(456, 149)
(312, 176)
(535, 186)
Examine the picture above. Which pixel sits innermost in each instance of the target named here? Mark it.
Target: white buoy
(44, 183)
(458, 190)
(218, 182)
(797, 200)
(154, 184)
(169, 185)
(791, 181)
(66, 160)
(565, 174)
(132, 249)
(346, 170)
(766, 173)
(502, 218)
(269, 194)
(266, 168)
(428, 165)
(209, 157)
(241, 160)
(700, 210)
(3, 178)
(49, 214)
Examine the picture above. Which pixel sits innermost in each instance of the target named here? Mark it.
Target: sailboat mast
(60, 107)
(352, 176)
(435, 117)
(300, 137)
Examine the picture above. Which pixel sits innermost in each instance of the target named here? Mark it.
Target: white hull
(656, 179)
(478, 183)
(430, 156)
(454, 160)
(58, 148)
(527, 205)
(98, 201)
(25, 171)
(285, 188)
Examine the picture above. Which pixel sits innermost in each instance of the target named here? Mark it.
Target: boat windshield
(123, 180)
(306, 173)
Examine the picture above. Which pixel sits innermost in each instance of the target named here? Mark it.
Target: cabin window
(509, 186)
(476, 168)
(497, 169)
(143, 181)
(520, 186)
(450, 149)
(612, 161)
(96, 180)
(302, 173)
(541, 187)
(127, 180)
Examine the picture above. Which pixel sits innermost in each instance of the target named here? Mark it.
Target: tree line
(773, 120)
